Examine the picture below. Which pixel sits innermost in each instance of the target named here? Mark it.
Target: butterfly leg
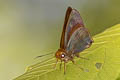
(77, 65)
(60, 64)
(73, 61)
(77, 55)
(55, 64)
(84, 58)
(64, 67)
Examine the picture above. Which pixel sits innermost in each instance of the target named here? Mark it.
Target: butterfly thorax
(61, 54)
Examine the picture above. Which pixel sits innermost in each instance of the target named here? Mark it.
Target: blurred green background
(29, 28)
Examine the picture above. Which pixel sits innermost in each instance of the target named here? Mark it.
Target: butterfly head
(61, 55)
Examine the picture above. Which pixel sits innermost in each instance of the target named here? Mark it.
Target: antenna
(43, 55)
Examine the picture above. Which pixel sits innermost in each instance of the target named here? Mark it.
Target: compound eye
(62, 56)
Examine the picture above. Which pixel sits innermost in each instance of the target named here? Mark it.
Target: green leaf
(103, 63)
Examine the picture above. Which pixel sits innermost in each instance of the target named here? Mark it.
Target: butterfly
(75, 38)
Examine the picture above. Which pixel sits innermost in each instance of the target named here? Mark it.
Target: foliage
(103, 63)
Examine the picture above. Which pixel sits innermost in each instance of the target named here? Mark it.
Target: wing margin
(62, 42)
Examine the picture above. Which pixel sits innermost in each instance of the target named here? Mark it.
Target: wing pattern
(75, 37)
(79, 41)
(73, 22)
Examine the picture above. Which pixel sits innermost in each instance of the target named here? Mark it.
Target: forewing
(62, 42)
(74, 22)
(74, 35)
(79, 40)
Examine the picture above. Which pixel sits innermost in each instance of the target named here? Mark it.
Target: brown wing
(77, 37)
(79, 41)
(74, 22)
(62, 42)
